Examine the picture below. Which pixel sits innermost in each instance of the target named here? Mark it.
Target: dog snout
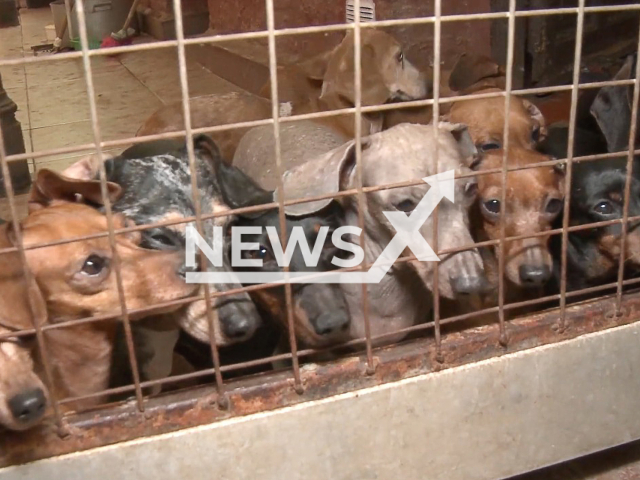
(239, 321)
(534, 275)
(330, 323)
(469, 284)
(28, 407)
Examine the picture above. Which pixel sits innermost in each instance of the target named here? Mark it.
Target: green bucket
(93, 44)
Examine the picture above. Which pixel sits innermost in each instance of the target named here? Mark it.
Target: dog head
(387, 76)
(315, 324)
(415, 145)
(78, 279)
(23, 396)
(597, 194)
(157, 188)
(612, 108)
(485, 117)
(534, 199)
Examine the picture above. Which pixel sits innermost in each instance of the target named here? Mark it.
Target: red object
(109, 42)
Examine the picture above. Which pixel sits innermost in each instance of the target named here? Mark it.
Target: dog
(77, 280)
(612, 109)
(402, 298)
(315, 324)
(534, 200)
(485, 117)
(157, 188)
(386, 77)
(23, 396)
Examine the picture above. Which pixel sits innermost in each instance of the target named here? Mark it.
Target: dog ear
(239, 190)
(329, 173)
(15, 308)
(316, 67)
(535, 113)
(471, 70)
(51, 186)
(339, 78)
(86, 168)
(466, 147)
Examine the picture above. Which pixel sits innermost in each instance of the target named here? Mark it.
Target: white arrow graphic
(407, 236)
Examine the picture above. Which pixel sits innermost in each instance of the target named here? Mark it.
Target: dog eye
(535, 134)
(94, 265)
(492, 206)
(260, 254)
(484, 147)
(406, 205)
(554, 206)
(400, 57)
(604, 208)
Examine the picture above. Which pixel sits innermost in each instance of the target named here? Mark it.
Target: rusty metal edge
(259, 393)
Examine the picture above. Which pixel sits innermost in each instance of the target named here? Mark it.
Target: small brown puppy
(485, 117)
(77, 280)
(23, 396)
(534, 199)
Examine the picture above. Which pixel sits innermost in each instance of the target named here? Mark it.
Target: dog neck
(371, 122)
(71, 351)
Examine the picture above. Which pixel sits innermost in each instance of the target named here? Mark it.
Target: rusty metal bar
(195, 192)
(275, 112)
(567, 186)
(503, 194)
(357, 54)
(437, 50)
(185, 409)
(628, 180)
(84, 42)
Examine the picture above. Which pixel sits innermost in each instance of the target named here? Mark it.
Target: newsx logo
(407, 236)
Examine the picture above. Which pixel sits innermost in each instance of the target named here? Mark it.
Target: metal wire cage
(222, 399)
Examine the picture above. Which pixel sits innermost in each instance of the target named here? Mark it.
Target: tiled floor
(52, 98)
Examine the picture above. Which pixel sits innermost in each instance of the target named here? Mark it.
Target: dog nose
(238, 327)
(27, 407)
(534, 275)
(329, 323)
(469, 284)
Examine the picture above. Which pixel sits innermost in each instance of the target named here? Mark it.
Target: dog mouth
(400, 96)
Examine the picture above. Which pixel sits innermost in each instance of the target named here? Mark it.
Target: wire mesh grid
(296, 354)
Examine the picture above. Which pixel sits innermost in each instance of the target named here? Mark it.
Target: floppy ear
(466, 147)
(472, 69)
(329, 173)
(15, 311)
(537, 116)
(340, 76)
(239, 190)
(51, 186)
(316, 67)
(86, 168)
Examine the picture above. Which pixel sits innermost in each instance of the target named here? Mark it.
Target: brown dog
(23, 396)
(485, 117)
(386, 77)
(534, 199)
(77, 280)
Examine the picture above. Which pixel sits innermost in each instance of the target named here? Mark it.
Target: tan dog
(534, 199)
(386, 77)
(23, 396)
(485, 117)
(77, 280)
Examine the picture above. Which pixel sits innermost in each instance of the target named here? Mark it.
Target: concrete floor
(52, 98)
